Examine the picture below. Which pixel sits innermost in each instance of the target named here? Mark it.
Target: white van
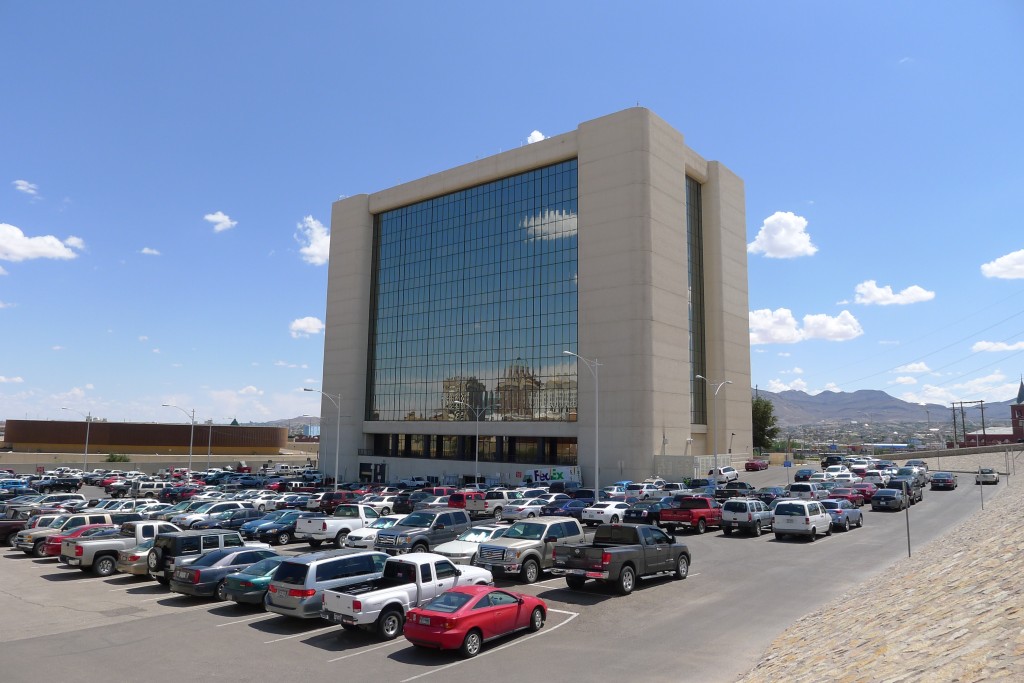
(801, 518)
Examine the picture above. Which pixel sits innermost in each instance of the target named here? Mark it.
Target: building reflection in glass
(475, 300)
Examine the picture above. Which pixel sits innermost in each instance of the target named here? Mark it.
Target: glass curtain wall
(695, 266)
(474, 302)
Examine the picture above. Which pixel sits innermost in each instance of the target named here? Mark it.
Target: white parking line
(298, 635)
(518, 641)
(363, 652)
(243, 621)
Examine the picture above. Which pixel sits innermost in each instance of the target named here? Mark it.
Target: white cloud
(994, 387)
(4, 304)
(784, 354)
(26, 187)
(220, 220)
(304, 327)
(149, 252)
(904, 380)
(868, 292)
(550, 225)
(286, 364)
(15, 246)
(888, 342)
(997, 346)
(315, 241)
(2, 271)
(798, 371)
(1008, 267)
(250, 391)
(56, 347)
(781, 327)
(774, 327)
(156, 350)
(143, 338)
(10, 380)
(842, 327)
(913, 367)
(782, 235)
(535, 136)
(777, 385)
(831, 386)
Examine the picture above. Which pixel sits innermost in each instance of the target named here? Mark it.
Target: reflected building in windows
(615, 241)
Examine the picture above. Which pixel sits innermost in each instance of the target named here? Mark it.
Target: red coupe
(465, 617)
(867, 490)
(852, 495)
(755, 465)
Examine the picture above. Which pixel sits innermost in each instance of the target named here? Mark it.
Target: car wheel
(575, 582)
(315, 542)
(104, 566)
(530, 515)
(350, 627)
(727, 531)
(860, 521)
(627, 581)
(530, 571)
(221, 592)
(497, 513)
(389, 625)
(814, 534)
(420, 548)
(472, 644)
(385, 511)
(828, 531)
(846, 524)
(779, 536)
(262, 508)
(536, 619)
(615, 519)
(162, 580)
(757, 528)
(339, 540)
(702, 526)
(283, 538)
(682, 568)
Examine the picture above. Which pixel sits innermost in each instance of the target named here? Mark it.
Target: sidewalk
(952, 612)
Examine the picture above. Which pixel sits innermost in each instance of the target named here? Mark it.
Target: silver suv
(526, 548)
(745, 514)
(298, 584)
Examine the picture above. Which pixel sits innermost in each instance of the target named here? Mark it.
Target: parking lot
(741, 593)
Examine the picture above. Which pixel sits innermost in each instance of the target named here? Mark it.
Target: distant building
(994, 436)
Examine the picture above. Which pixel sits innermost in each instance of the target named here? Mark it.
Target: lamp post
(337, 438)
(88, 423)
(714, 416)
(594, 366)
(477, 412)
(191, 432)
(209, 443)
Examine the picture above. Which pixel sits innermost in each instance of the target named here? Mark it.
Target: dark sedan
(644, 512)
(803, 474)
(567, 508)
(943, 480)
(230, 519)
(250, 584)
(281, 530)
(205, 577)
(766, 494)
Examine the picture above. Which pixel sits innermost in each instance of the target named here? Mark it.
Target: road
(742, 592)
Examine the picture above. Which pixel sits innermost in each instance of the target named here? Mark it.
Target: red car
(850, 494)
(867, 489)
(52, 546)
(465, 617)
(755, 465)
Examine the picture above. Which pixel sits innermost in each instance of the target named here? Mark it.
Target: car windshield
(347, 511)
(419, 520)
(273, 516)
(790, 510)
(101, 531)
(213, 557)
(842, 492)
(480, 534)
(144, 546)
(59, 521)
(526, 530)
(263, 567)
(448, 602)
(831, 504)
(888, 492)
(643, 506)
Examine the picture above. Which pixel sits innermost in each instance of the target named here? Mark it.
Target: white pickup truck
(346, 518)
(492, 503)
(409, 581)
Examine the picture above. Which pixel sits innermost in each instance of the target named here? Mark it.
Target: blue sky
(167, 172)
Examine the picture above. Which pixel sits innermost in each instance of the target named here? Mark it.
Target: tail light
(301, 593)
(134, 558)
(323, 527)
(357, 605)
(79, 550)
(807, 520)
(750, 517)
(449, 624)
(554, 552)
(273, 588)
(196, 575)
(606, 558)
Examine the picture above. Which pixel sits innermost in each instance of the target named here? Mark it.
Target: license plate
(733, 524)
(425, 621)
(181, 574)
(578, 572)
(72, 560)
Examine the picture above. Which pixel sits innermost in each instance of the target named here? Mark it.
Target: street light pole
(88, 423)
(337, 438)
(191, 432)
(476, 451)
(594, 367)
(714, 417)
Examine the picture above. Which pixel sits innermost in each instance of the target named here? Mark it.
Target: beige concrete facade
(633, 298)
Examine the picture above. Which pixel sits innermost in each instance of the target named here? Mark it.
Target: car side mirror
(458, 572)
(439, 526)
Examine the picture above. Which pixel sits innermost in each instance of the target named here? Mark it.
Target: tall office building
(453, 299)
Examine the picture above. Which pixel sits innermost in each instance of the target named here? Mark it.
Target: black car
(766, 494)
(803, 474)
(406, 502)
(229, 519)
(644, 512)
(281, 530)
(566, 508)
(205, 576)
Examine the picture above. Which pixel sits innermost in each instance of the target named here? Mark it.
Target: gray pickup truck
(619, 554)
(100, 555)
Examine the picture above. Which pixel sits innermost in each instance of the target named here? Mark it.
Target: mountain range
(797, 408)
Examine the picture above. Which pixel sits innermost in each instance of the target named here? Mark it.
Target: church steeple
(1020, 392)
